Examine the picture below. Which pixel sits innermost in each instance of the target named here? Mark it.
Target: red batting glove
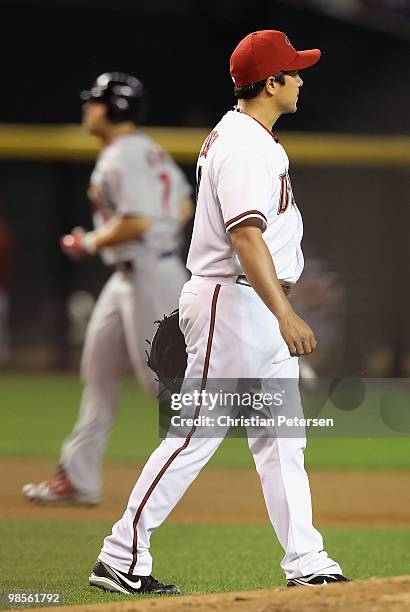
(72, 244)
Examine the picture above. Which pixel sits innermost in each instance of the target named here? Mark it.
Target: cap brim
(304, 59)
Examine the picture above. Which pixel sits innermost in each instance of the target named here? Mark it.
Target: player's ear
(270, 85)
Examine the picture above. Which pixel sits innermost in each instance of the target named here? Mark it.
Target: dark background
(356, 217)
(51, 50)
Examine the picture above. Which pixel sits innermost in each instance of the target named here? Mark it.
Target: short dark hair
(251, 91)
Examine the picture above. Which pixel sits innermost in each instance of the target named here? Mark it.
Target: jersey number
(286, 194)
(166, 184)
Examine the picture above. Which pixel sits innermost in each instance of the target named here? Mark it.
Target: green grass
(43, 556)
(37, 412)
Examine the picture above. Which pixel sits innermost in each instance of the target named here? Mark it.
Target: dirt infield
(234, 497)
(340, 497)
(374, 595)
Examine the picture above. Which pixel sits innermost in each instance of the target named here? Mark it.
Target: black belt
(168, 254)
(242, 280)
(125, 266)
(128, 265)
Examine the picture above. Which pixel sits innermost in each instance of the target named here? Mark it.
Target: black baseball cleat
(316, 580)
(109, 579)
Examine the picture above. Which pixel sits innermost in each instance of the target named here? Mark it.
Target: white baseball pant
(122, 320)
(229, 333)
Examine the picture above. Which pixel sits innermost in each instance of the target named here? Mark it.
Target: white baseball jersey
(133, 176)
(242, 173)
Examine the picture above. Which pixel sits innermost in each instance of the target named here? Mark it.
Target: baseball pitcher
(238, 324)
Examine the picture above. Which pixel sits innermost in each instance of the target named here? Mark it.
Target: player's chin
(89, 127)
(290, 109)
(85, 123)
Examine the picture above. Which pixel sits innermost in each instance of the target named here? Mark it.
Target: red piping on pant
(189, 436)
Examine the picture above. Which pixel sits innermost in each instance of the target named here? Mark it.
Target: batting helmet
(120, 92)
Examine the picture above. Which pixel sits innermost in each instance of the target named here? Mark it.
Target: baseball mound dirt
(374, 595)
(340, 497)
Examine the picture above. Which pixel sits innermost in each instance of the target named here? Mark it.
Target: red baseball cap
(267, 52)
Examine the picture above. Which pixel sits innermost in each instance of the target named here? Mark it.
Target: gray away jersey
(133, 176)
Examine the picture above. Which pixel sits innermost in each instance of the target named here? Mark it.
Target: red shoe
(57, 491)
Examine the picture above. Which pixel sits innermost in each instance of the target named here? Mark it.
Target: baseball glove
(167, 355)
